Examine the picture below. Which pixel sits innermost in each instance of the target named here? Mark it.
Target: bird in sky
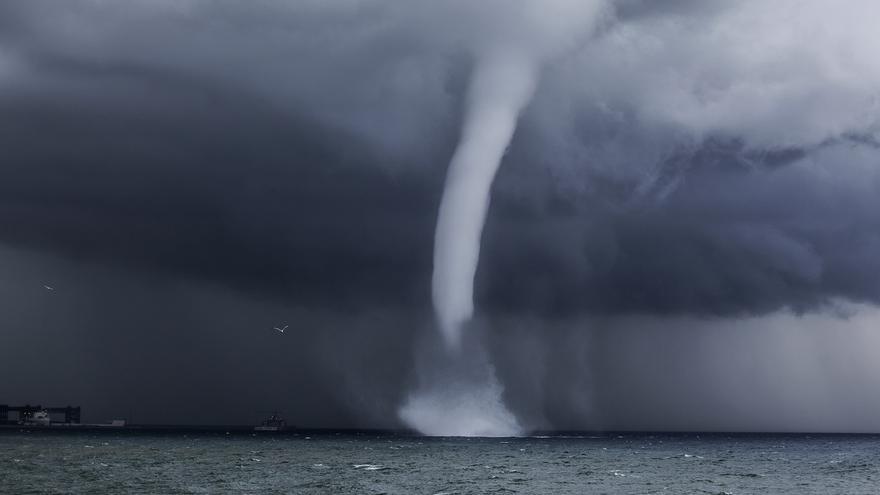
(282, 329)
(48, 287)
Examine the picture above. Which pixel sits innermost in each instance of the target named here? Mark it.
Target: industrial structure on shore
(29, 414)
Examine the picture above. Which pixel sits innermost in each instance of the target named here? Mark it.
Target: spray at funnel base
(458, 394)
(462, 410)
(501, 87)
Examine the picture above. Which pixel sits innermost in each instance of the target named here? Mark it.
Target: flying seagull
(282, 329)
(49, 287)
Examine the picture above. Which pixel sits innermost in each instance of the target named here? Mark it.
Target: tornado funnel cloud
(500, 88)
(461, 394)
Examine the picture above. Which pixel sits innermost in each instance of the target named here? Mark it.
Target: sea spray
(459, 393)
(461, 408)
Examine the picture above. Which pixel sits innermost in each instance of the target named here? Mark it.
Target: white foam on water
(369, 467)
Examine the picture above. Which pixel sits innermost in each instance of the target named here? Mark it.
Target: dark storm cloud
(736, 236)
(167, 152)
(169, 173)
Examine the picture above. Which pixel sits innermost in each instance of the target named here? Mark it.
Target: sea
(45, 462)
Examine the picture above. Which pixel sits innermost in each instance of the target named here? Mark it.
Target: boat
(274, 423)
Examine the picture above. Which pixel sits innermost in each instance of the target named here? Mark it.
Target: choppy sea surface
(94, 463)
